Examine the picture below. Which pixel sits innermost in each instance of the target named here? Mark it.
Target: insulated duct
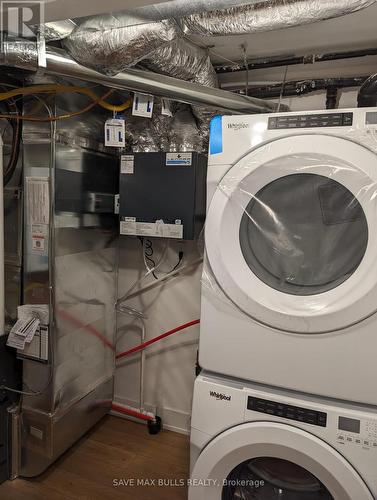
(24, 55)
(268, 16)
(112, 43)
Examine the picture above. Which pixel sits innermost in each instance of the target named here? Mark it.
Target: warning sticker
(39, 238)
(184, 159)
(38, 200)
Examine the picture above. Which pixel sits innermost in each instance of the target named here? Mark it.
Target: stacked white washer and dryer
(286, 404)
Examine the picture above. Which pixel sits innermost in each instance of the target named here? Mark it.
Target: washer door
(291, 233)
(266, 460)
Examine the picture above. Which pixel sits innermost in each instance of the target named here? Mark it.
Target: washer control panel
(290, 412)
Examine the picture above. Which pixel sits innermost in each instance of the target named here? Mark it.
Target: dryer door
(291, 233)
(266, 460)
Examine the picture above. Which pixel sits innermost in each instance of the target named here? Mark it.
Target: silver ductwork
(268, 16)
(180, 8)
(115, 42)
(181, 59)
(112, 43)
(58, 30)
(24, 55)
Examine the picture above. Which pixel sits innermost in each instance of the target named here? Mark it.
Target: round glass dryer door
(303, 234)
(268, 461)
(268, 478)
(291, 233)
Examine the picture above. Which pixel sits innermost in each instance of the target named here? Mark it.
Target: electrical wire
(13, 110)
(148, 253)
(63, 89)
(25, 393)
(282, 88)
(148, 273)
(172, 274)
(59, 117)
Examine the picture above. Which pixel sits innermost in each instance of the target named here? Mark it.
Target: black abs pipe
(275, 62)
(367, 96)
(302, 87)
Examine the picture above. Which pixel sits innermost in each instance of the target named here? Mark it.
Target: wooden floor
(114, 450)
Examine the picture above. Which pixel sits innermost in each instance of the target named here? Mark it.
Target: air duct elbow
(367, 96)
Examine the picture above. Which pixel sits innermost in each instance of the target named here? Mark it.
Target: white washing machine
(289, 295)
(249, 442)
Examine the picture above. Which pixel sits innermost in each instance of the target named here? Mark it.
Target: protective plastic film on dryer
(301, 219)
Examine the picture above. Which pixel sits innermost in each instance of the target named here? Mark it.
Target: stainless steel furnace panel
(70, 264)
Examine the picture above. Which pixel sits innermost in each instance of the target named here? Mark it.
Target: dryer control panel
(287, 411)
(357, 432)
(311, 120)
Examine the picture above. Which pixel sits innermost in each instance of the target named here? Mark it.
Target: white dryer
(289, 295)
(249, 442)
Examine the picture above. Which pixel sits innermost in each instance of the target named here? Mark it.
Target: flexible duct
(268, 16)
(113, 43)
(110, 45)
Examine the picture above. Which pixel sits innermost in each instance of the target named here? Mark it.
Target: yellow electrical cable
(51, 89)
(40, 119)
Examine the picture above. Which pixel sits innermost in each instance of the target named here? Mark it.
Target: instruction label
(130, 227)
(38, 347)
(38, 200)
(115, 133)
(184, 159)
(127, 164)
(143, 105)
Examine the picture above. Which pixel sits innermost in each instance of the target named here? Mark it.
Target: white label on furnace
(38, 200)
(127, 164)
(143, 105)
(115, 133)
(130, 227)
(184, 159)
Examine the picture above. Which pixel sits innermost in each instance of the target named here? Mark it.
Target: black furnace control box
(163, 194)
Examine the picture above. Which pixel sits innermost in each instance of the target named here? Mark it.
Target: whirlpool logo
(220, 396)
(238, 126)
